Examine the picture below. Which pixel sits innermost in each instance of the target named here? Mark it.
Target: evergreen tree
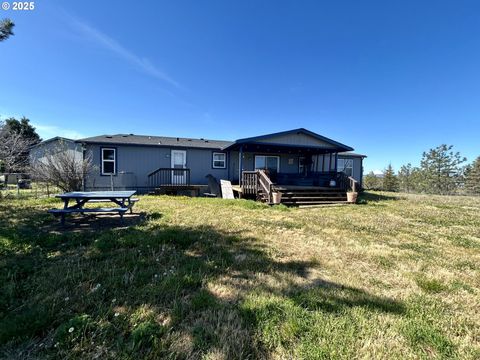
(23, 128)
(441, 169)
(6, 26)
(405, 178)
(472, 178)
(390, 181)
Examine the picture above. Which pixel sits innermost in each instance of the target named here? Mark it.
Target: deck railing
(353, 184)
(265, 185)
(249, 182)
(347, 183)
(258, 183)
(169, 177)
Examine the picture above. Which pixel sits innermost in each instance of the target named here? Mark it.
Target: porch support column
(336, 162)
(240, 165)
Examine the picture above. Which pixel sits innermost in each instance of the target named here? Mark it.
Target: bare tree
(62, 167)
(13, 147)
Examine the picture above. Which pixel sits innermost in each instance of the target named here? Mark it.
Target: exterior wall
(296, 139)
(39, 152)
(357, 166)
(134, 163)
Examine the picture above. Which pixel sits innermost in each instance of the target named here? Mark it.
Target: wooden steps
(310, 196)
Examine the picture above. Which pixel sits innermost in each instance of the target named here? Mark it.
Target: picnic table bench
(123, 199)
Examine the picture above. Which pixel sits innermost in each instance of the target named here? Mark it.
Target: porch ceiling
(282, 148)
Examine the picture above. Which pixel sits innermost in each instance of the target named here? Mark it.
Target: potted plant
(276, 197)
(352, 197)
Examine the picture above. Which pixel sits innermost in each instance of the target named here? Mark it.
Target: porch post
(240, 165)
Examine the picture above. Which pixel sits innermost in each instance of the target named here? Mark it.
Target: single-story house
(294, 158)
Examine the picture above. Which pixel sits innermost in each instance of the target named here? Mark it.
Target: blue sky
(391, 79)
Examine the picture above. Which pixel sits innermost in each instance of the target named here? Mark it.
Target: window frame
(102, 161)
(224, 160)
(265, 156)
(345, 162)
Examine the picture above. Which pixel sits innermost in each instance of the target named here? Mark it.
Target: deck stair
(301, 196)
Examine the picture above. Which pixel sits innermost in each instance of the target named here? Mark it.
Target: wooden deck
(257, 184)
(280, 187)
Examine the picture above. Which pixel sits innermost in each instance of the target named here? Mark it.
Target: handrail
(169, 176)
(265, 184)
(160, 169)
(347, 183)
(353, 184)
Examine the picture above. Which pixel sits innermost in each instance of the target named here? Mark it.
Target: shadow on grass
(151, 290)
(366, 197)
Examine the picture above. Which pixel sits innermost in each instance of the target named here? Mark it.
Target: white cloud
(114, 46)
(45, 131)
(49, 131)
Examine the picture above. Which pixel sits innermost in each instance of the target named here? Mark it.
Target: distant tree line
(442, 171)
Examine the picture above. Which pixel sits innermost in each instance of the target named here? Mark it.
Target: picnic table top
(97, 195)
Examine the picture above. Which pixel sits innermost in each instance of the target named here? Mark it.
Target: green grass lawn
(396, 276)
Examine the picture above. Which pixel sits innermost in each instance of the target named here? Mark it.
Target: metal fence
(35, 190)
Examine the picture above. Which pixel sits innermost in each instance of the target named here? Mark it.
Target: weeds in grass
(430, 285)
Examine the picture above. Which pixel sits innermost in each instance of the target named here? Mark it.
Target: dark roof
(130, 139)
(146, 140)
(258, 139)
(56, 138)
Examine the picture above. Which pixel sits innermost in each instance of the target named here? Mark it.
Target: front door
(179, 161)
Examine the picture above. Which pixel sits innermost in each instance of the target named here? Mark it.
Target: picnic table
(123, 200)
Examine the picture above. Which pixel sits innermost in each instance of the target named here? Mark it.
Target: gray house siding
(199, 161)
(134, 163)
(357, 166)
(296, 140)
(52, 146)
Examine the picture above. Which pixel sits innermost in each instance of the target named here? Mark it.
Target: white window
(109, 158)
(271, 163)
(219, 160)
(345, 165)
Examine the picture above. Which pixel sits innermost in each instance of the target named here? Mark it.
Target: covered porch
(303, 174)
